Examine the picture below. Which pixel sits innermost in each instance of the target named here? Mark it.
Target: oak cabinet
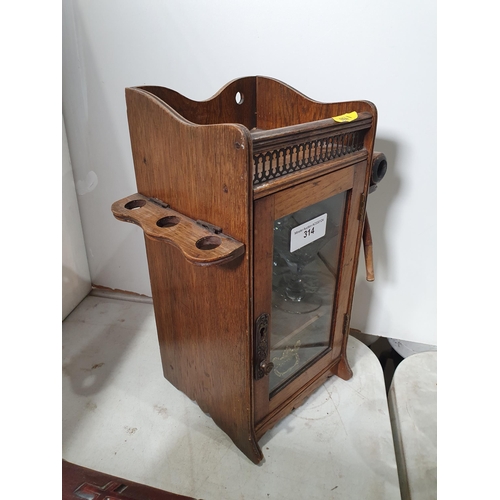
(253, 208)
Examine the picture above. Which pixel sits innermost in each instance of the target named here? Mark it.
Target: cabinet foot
(344, 370)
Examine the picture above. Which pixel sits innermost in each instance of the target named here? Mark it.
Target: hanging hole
(208, 243)
(169, 221)
(134, 204)
(239, 98)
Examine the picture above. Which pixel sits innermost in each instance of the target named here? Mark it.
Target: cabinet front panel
(304, 244)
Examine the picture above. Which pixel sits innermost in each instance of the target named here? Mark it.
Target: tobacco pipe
(379, 169)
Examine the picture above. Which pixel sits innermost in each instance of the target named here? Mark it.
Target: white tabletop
(122, 417)
(413, 405)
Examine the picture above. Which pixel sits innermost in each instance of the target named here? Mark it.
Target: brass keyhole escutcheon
(261, 350)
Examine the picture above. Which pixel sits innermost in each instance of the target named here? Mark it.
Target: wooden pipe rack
(200, 242)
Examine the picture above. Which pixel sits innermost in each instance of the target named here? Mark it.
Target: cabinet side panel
(201, 317)
(202, 313)
(235, 103)
(200, 171)
(279, 105)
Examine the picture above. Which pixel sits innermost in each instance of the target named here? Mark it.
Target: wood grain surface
(197, 157)
(82, 483)
(199, 246)
(202, 313)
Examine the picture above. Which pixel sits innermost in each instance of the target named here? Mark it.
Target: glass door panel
(306, 252)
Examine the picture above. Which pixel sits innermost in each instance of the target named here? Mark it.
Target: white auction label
(308, 232)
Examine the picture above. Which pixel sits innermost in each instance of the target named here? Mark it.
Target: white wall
(330, 50)
(75, 269)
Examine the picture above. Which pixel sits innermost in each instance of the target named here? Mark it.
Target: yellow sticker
(346, 117)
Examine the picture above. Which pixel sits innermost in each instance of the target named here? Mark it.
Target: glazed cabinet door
(305, 242)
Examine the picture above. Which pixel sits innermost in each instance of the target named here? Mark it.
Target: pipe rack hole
(168, 221)
(134, 204)
(208, 243)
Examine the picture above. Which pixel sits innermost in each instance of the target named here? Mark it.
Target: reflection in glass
(304, 279)
(296, 289)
